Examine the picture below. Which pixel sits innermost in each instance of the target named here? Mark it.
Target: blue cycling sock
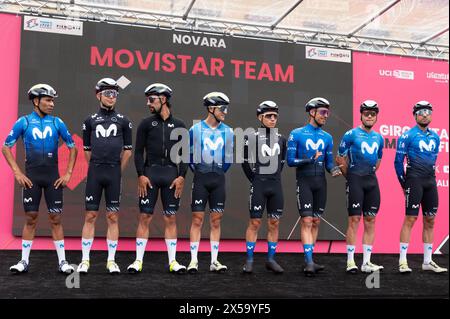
(250, 249)
(308, 249)
(272, 247)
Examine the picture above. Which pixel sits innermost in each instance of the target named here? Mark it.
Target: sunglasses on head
(110, 93)
(424, 112)
(271, 116)
(369, 113)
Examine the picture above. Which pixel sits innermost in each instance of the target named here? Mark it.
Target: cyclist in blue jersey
(211, 143)
(420, 146)
(264, 158)
(359, 157)
(107, 140)
(40, 132)
(310, 150)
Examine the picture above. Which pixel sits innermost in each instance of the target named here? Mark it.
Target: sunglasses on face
(110, 93)
(271, 116)
(324, 112)
(222, 108)
(152, 98)
(424, 112)
(369, 113)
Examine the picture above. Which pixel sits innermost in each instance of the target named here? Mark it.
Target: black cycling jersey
(259, 158)
(153, 137)
(106, 133)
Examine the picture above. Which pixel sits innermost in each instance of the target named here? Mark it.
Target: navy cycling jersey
(40, 137)
(302, 146)
(265, 154)
(105, 134)
(420, 149)
(363, 150)
(211, 149)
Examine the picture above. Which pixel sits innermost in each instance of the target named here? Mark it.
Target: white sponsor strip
(50, 25)
(328, 54)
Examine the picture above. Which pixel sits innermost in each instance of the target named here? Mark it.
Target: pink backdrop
(397, 83)
(374, 78)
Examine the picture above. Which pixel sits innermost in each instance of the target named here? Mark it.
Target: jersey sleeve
(182, 166)
(402, 148)
(139, 148)
(64, 133)
(127, 130)
(329, 160)
(17, 131)
(380, 149)
(292, 153)
(246, 165)
(283, 152)
(345, 144)
(229, 149)
(87, 134)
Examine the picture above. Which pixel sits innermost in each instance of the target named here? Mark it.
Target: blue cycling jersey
(211, 149)
(421, 150)
(363, 150)
(302, 146)
(40, 137)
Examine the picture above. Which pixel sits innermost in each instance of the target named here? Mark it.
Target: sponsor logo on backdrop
(438, 77)
(40, 24)
(398, 74)
(328, 54)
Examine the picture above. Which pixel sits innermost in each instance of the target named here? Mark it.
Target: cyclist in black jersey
(40, 132)
(107, 139)
(158, 172)
(264, 158)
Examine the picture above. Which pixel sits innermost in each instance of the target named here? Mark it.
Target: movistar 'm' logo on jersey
(37, 133)
(100, 131)
(267, 151)
(369, 149)
(428, 147)
(315, 146)
(218, 143)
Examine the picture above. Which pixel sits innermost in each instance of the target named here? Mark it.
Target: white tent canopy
(405, 27)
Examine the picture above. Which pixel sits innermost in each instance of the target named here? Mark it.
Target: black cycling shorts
(363, 195)
(421, 191)
(311, 195)
(43, 178)
(266, 191)
(161, 177)
(208, 188)
(105, 177)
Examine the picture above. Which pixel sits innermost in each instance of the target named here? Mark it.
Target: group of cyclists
(161, 168)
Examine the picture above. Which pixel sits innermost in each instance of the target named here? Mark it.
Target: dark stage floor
(43, 281)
